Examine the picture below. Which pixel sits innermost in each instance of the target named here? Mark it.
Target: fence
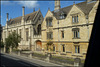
(49, 58)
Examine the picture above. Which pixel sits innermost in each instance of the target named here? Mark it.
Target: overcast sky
(14, 8)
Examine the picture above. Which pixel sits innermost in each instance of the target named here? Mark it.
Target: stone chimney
(23, 14)
(7, 17)
(57, 5)
(23, 11)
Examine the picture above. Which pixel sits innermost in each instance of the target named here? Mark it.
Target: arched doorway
(38, 45)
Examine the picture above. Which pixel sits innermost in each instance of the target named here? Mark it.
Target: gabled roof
(84, 6)
(18, 19)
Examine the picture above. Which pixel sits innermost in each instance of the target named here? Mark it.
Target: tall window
(77, 49)
(63, 46)
(20, 33)
(48, 21)
(53, 48)
(62, 34)
(76, 33)
(34, 31)
(39, 29)
(49, 35)
(27, 34)
(75, 19)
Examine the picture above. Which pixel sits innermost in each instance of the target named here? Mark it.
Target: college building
(69, 28)
(28, 27)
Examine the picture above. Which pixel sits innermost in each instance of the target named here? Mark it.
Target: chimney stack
(7, 16)
(57, 5)
(23, 11)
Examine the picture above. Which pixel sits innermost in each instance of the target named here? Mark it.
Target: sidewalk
(33, 60)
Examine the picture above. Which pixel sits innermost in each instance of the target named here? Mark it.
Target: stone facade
(28, 26)
(65, 40)
(0, 31)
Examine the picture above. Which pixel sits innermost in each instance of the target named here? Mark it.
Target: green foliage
(39, 55)
(62, 58)
(12, 40)
(49, 45)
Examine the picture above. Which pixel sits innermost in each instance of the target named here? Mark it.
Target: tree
(49, 44)
(12, 40)
(1, 44)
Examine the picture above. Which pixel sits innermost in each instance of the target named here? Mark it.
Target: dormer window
(49, 22)
(75, 19)
(62, 16)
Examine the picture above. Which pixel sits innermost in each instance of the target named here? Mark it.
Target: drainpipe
(87, 25)
(58, 36)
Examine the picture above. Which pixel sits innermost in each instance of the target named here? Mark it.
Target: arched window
(39, 29)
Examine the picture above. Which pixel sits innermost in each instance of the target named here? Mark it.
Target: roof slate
(18, 19)
(84, 6)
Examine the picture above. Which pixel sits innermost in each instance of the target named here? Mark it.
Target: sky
(14, 8)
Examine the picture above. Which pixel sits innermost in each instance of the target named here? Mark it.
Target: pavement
(7, 61)
(34, 61)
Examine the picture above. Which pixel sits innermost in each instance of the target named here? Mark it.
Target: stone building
(0, 31)
(28, 27)
(69, 28)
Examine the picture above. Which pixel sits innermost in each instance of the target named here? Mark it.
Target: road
(8, 61)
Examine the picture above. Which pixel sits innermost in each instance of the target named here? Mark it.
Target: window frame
(63, 48)
(49, 35)
(76, 33)
(75, 19)
(62, 34)
(77, 48)
(49, 22)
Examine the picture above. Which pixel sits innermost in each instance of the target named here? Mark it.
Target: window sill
(50, 39)
(75, 22)
(49, 26)
(63, 53)
(77, 54)
(62, 38)
(68, 52)
(76, 38)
